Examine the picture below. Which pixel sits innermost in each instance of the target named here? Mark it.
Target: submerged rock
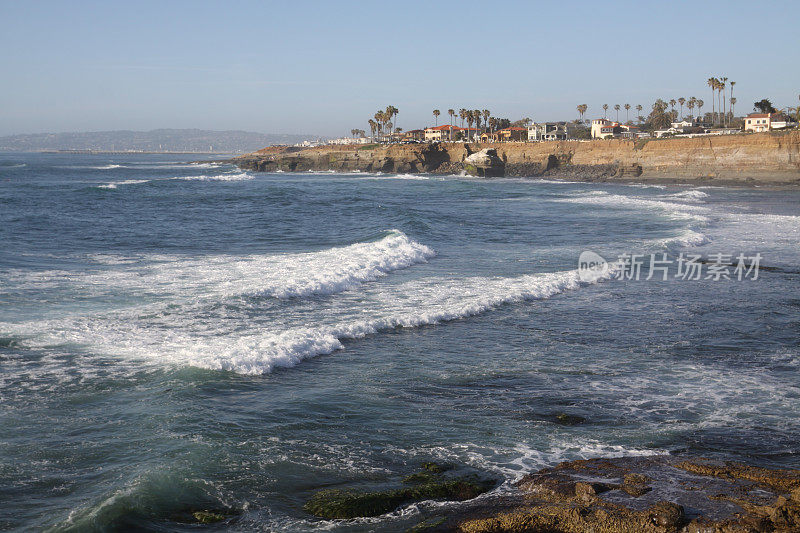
(428, 484)
(208, 517)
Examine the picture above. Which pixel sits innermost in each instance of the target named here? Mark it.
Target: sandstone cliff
(771, 158)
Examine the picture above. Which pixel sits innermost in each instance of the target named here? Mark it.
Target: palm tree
(733, 83)
(452, 113)
(470, 119)
(616, 108)
(672, 104)
(477, 114)
(463, 114)
(681, 101)
(392, 111)
(627, 113)
(379, 120)
(605, 108)
(436, 114)
(396, 112)
(712, 82)
(690, 105)
(699, 104)
(639, 112)
(723, 82)
(582, 110)
(732, 100)
(373, 127)
(486, 115)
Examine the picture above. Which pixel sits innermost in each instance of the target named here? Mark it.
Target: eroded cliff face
(764, 158)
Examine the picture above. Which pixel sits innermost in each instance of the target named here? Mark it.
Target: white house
(549, 131)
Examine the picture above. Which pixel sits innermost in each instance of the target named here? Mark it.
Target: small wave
(676, 210)
(4, 164)
(690, 195)
(108, 167)
(240, 176)
(115, 184)
(686, 238)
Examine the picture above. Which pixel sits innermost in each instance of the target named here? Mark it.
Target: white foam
(687, 237)
(115, 184)
(239, 176)
(296, 275)
(692, 195)
(675, 210)
(229, 342)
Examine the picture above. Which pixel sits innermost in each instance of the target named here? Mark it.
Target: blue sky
(326, 67)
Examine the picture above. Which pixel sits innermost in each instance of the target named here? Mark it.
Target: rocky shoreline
(767, 159)
(657, 494)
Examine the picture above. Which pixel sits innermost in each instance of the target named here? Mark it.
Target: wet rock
(566, 419)
(657, 494)
(485, 164)
(338, 504)
(666, 514)
(436, 468)
(432, 482)
(208, 517)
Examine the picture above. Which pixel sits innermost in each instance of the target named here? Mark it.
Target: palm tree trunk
(713, 97)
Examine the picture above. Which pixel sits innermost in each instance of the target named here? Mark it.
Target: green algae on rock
(337, 504)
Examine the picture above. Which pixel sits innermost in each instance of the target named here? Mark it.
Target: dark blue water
(177, 337)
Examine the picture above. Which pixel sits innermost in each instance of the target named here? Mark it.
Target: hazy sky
(326, 67)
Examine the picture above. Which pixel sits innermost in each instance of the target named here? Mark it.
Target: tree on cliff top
(765, 106)
(436, 114)
(659, 117)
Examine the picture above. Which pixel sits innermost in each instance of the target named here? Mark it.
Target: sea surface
(179, 336)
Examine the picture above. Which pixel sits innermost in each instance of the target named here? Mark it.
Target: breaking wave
(230, 344)
(295, 275)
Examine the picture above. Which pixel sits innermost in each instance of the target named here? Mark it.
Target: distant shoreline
(111, 152)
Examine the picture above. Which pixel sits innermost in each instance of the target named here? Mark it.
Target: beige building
(767, 121)
(758, 122)
(441, 133)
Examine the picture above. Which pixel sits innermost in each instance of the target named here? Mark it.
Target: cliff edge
(761, 158)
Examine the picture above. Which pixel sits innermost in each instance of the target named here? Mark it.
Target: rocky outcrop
(656, 494)
(485, 164)
(765, 158)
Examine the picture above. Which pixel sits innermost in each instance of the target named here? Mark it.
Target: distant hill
(163, 140)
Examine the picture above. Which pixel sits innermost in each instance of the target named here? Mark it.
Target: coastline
(748, 160)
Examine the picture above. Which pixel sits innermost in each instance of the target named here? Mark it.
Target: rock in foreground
(656, 494)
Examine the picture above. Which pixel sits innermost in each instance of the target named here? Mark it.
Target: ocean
(179, 336)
